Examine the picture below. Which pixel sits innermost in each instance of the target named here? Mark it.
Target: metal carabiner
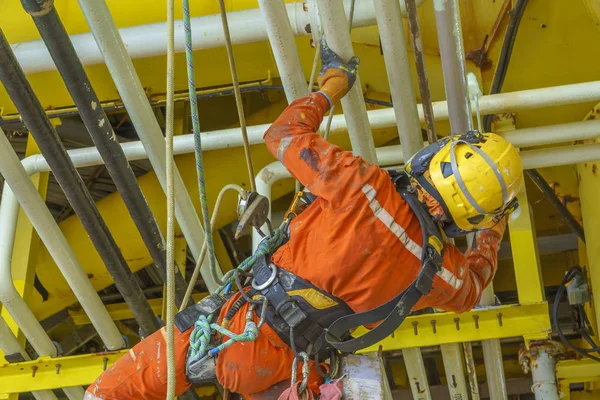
(305, 371)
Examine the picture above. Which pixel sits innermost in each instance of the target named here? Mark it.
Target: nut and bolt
(456, 322)
(433, 326)
(414, 324)
(476, 319)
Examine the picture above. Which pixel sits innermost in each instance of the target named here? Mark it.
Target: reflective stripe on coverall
(358, 241)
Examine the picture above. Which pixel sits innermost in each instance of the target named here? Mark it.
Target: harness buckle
(291, 313)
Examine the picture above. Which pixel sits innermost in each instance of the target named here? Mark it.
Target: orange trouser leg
(252, 368)
(142, 372)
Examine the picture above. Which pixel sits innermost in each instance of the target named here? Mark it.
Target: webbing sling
(395, 311)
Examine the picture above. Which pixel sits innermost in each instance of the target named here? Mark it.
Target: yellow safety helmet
(475, 177)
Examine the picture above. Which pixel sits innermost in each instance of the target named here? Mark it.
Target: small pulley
(252, 211)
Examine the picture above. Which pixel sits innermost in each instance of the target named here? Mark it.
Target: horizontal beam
(44, 373)
(56, 373)
(121, 311)
(584, 370)
(531, 321)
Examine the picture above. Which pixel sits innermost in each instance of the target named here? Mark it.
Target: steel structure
(541, 113)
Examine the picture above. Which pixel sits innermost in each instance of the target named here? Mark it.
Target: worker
(368, 237)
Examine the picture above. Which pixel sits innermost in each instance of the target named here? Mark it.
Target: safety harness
(314, 322)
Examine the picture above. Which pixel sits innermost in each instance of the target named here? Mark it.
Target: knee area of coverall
(143, 370)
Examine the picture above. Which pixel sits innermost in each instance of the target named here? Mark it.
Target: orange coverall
(358, 241)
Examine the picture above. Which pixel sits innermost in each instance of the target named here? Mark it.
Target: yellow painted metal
(524, 250)
(25, 250)
(121, 311)
(74, 371)
(589, 193)
(530, 321)
(584, 370)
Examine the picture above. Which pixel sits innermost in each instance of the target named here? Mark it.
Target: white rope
(170, 304)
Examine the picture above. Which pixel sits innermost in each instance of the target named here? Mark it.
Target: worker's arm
(461, 283)
(325, 169)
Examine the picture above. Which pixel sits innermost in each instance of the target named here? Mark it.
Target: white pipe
(544, 377)
(335, 28)
(247, 26)
(452, 54)
(564, 155)
(56, 243)
(395, 54)
(492, 355)
(283, 45)
(455, 374)
(9, 297)
(560, 133)
(8, 342)
(131, 91)
(417, 376)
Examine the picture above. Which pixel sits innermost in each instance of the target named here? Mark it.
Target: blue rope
(189, 56)
(204, 329)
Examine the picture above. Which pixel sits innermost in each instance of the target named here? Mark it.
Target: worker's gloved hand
(336, 77)
(500, 227)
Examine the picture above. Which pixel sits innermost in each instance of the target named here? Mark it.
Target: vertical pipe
(544, 378)
(471, 371)
(85, 98)
(130, 88)
(56, 243)
(335, 27)
(70, 68)
(417, 376)
(455, 374)
(395, 54)
(417, 44)
(284, 49)
(447, 18)
(39, 125)
(492, 355)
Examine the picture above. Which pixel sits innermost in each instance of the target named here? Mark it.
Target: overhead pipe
(452, 53)
(57, 40)
(100, 129)
(56, 243)
(283, 45)
(73, 186)
(140, 112)
(247, 26)
(337, 33)
(395, 54)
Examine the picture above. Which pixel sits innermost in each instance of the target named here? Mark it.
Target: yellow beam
(584, 370)
(121, 311)
(528, 274)
(41, 374)
(531, 321)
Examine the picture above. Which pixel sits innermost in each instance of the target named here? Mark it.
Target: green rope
(204, 329)
(189, 56)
